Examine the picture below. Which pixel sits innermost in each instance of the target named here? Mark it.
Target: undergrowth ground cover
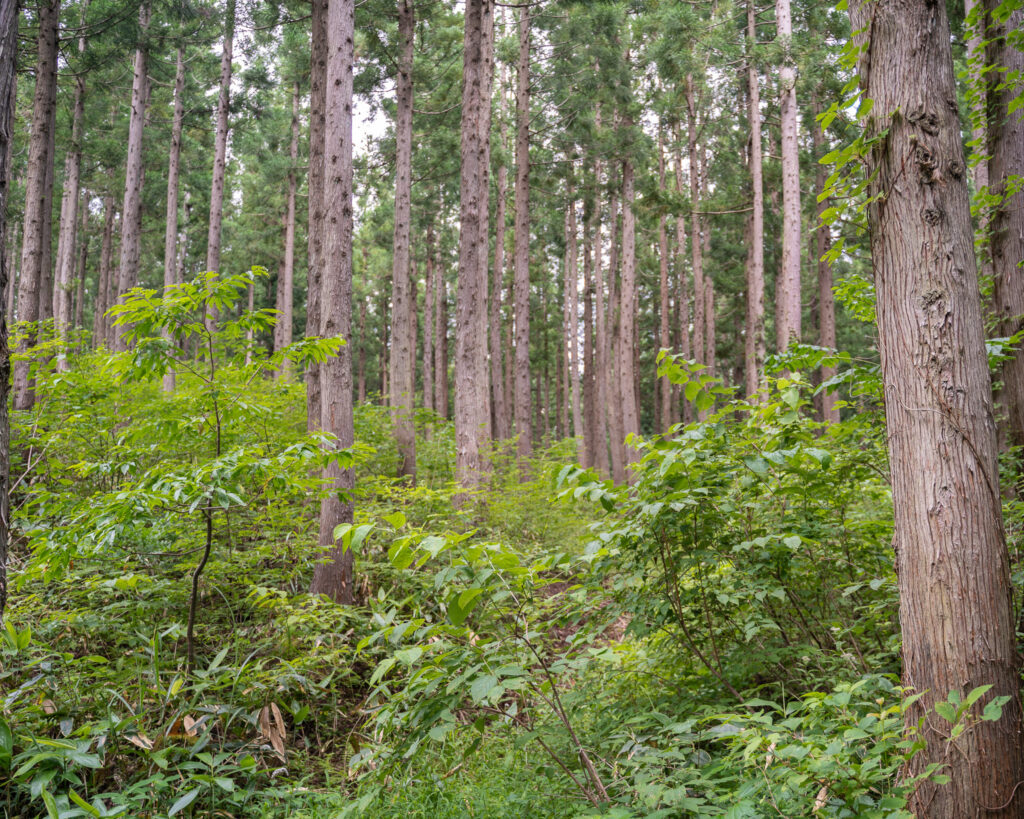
(718, 639)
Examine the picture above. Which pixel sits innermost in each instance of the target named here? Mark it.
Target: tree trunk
(979, 129)
(316, 181)
(951, 558)
(1005, 168)
(826, 301)
(131, 211)
(403, 352)
(664, 391)
(696, 228)
(83, 261)
(683, 299)
(46, 265)
(472, 405)
(441, 353)
(220, 146)
(30, 282)
(8, 60)
(588, 454)
(521, 258)
(602, 342)
(286, 280)
(173, 171)
(613, 392)
(334, 576)
(572, 299)
(788, 292)
(69, 210)
(100, 322)
(709, 324)
(502, 423)
(754, 353)
(627, 315)
(429, 324)
(361, 371)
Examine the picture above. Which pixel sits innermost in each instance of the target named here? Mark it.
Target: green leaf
(994, 710)
(183, 802)
(51, 804)
(78, 800)
(409, 656)
(481, 687)
(396, 520)
(946, 711)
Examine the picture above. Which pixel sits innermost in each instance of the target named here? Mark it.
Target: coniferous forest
(562, 408)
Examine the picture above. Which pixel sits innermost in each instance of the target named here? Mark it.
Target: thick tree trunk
(502, 422)
(173, 172)
(951, 558)
(131, 211)
(627, 315)
(286, 282)
(62, 301)
(826, 301)
(788, 293)
(316, 181)
(220, 145)
(334, 576)
(1006, 238)
(754, 352)
(8, 65)
(36, 198)
(472, 393)
(521, 253)
(664, 390)
(403, 352)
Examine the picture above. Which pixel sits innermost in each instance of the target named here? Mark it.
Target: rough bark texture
(8, 55)
(664, 413)
(62, 296)
(788, 292)
(46, 264)
(1006, 221)
(403, 349)
(472, 404)
(315, 184)
(754, 352)
(36, 199)
(173, 172)
(131, 210)
(951, 557)
(502, 422)
(613, 392)
(521, 252)
(220, 142)
(601, 330)
(333, 577)
(826, 301)
(627, 315)
(286, 282)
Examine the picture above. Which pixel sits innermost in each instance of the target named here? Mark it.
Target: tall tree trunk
(826, 301)
(754, 352)
(429, 323)
(69, 209)
(789, 291)
(220, 145)
(316, 182)
(664, 391)
(696, 226)
(83, 261)
(952, 567)
(44, 103)
(627, 314)
(521, 257)
(8, 60)
(502, 423)
(286, 282)
(441, 352)
(334, 577)
(13, 244)
(46, 265)
(588, 454)
(385, 358)
(572, 299)
(403, 353)
(1005, 168)
(683, 299)
(710, 348)
(131, 211)
(361, 371)
(472, 405)
(602, 342)
(99, 321)
(173, 172)
(613, 392)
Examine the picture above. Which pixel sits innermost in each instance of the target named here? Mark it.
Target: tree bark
(627, 315)
(429, 323)
(286, 282)
(403, 351)
(521, 257)
(664, 391)
(44, 103)
(754, 352)
(602, 332)
(788, 291)
(502, 423)
(1006, 219)
(683, 299)
(441, 352)
(173, 172)
(100, 322)
(83, 261)
(315, 184)
(220, 145)
(334, 576)
(588, 453)
(472, 405)
(131, 211)
(62, 301)
(613, 392)
(951, 558)
(696, 227)
(826, 301)
(976, 60)
(46, 265)
(573, 327)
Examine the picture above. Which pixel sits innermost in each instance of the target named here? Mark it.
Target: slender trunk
(1006, 167)
(69, 209)
(44, 103)
(613, 393)
(46, 266)
(975, 19)
(441, 353)
(334, 577)
(385, 358)
(521, 258)
(952, 567)
(316, 182)
(131, 211)
(83, 261)
(788, 292)
(683, 298)
(100, 322)
(220, 145)
(826, 301)
(502, 423)
(602, 342)
(361, 372)
(429, 324)
(664, 390)
(403, 355)
(171, 222)
(588, 454)
(472, 404)
(10, 295)
(286, 282)
(572, 298)
(754, 352)
(710, 348)
(696, 226)
(627, 315)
